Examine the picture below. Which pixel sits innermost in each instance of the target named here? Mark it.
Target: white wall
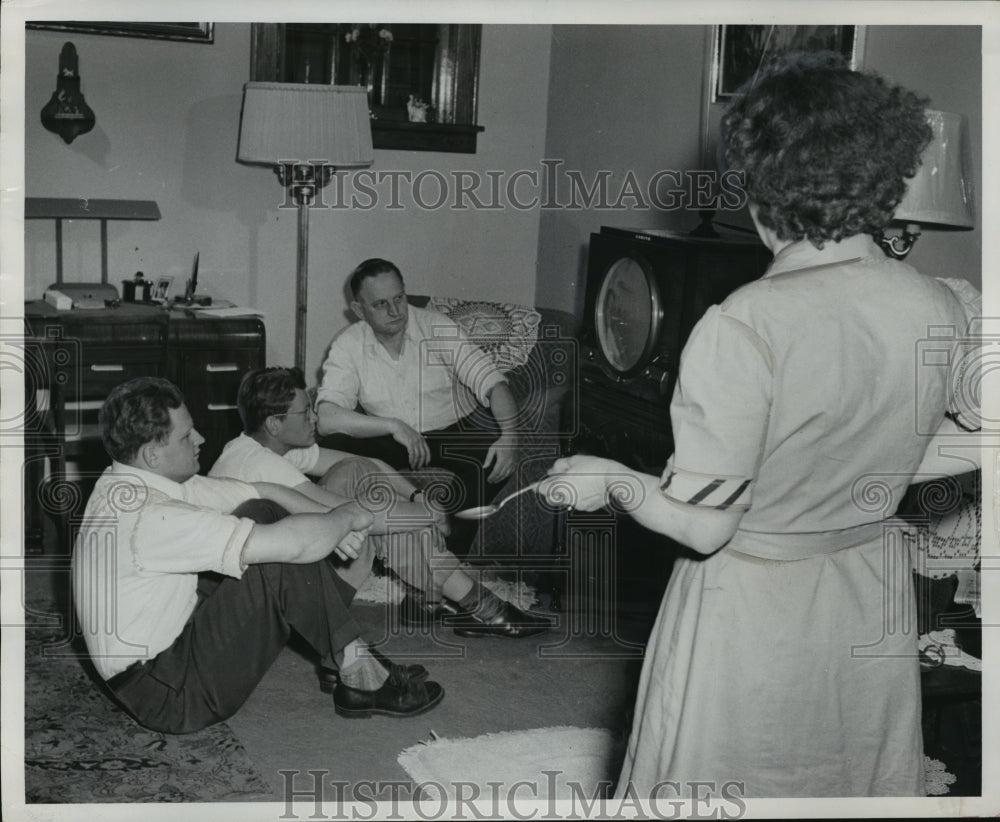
(632, 99)
(167, 124)
(614, 99)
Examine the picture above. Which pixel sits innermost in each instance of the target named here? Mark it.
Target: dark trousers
(460, 448)
(234, 635)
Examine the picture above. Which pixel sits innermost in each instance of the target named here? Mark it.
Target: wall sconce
(940, 195)
(67, 113)
(304, 132)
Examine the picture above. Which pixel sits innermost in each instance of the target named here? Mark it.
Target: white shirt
(245, 459)
(437, 380)
(143, 541)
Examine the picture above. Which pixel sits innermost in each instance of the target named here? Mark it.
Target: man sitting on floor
(279, 445)
(188, 587)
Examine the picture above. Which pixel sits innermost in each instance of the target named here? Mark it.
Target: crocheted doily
(507, 331)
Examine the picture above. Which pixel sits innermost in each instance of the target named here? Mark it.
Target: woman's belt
(803, 545)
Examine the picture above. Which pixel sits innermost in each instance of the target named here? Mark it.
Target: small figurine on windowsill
(416, 109)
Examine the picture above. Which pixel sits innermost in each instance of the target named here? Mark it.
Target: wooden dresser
(74, 358)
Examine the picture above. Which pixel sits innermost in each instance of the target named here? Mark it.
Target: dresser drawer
(98, 369)
(210, 379)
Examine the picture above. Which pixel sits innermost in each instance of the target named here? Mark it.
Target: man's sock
(360, 669)
(482, 602)
(458, 585)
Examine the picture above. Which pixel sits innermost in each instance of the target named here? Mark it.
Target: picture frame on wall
(740, 50)
(194, 32)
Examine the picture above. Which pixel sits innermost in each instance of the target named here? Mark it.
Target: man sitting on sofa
(279, 445)
(430, 397)
(188, 587)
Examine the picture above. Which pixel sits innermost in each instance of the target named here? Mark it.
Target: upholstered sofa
(537, 349)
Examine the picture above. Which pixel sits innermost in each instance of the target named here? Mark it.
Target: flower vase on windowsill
(370, 43)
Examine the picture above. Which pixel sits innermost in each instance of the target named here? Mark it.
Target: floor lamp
(304, 132)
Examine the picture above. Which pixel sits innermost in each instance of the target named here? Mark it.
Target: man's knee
(357, 478)
(264, 511)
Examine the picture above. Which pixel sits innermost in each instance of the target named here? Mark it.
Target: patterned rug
(80, 747)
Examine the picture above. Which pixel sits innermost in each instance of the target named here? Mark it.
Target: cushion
(505, 330)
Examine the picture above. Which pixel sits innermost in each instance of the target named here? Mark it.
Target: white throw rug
(558, 762)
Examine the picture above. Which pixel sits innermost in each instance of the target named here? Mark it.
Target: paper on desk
(232, 311)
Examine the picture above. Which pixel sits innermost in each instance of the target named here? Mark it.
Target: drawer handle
(83, 405)
(213, 368)
(108, 367)
(219, 406)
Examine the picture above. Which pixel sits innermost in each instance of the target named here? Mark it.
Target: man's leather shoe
(399, 696)
(510, 621)
(328, 677)
(419, 613)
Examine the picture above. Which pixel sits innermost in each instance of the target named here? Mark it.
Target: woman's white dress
(787, 661)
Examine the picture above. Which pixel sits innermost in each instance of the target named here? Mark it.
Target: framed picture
(196, 32)
(162, 290)
(739, 50)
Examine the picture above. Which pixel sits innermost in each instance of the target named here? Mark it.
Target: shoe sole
(365, 713)
(475, 633)
(330, 687)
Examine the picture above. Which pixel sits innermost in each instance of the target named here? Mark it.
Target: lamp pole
(303, 180)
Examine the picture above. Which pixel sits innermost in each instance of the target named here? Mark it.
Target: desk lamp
(304, 132)
(940, 195)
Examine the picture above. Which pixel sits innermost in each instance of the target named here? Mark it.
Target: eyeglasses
(396, 303)
(294, 413)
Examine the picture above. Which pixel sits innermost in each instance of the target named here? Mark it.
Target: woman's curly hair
(826, 151)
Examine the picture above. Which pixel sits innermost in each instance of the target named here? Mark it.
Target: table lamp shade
(940, 195)
(294, 123)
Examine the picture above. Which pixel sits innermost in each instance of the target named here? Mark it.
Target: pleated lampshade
(940, 195)
(295, 123)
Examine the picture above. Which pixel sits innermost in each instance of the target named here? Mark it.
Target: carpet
(559, 762)
(81, 747)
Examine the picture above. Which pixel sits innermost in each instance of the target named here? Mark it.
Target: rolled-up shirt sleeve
(177, 537)
(341, 382)
(304, 459)
(719, 414)
(475, 368)
(196, 533)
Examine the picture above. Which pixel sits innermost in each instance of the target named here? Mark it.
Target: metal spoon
(484, 511)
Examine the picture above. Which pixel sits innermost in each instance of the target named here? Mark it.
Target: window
(430, 68)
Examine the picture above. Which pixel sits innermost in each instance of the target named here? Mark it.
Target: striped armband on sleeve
(705, 491)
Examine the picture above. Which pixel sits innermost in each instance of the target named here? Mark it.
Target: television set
(646, 290)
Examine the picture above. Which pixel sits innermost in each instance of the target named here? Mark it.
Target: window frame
(456, 89)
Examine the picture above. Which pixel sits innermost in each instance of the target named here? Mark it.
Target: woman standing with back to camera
(781, 658)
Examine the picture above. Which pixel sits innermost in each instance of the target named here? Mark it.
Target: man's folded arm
(304, 538)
